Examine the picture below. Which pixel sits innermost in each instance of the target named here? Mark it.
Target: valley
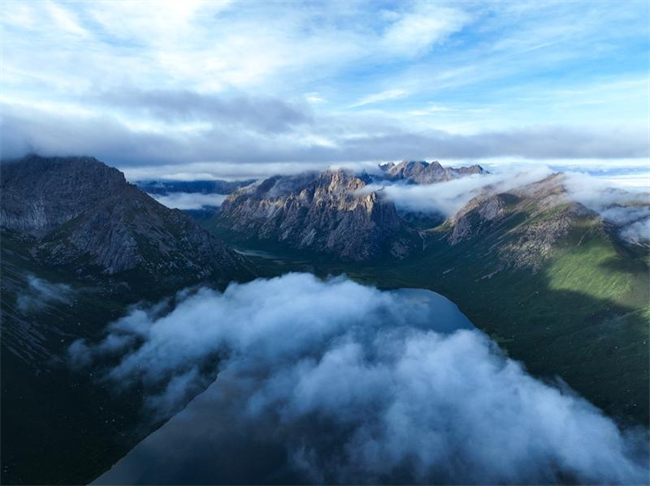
(548, 279)
(311, 242)
(573, 304)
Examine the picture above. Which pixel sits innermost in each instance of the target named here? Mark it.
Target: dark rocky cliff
(78, 212)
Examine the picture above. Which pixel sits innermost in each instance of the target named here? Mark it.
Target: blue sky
(201, 88)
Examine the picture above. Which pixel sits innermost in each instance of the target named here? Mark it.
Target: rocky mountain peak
(422, 172)
(339, 181)
(41, 193)
(78, 212)
(326, 212)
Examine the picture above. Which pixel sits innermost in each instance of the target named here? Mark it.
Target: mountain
(550, 280)
(555, 284)
(548, 214)
(198, 199)
(166, 187)
(80, 246)
(421, 172)
(79, 213)
(331, 213)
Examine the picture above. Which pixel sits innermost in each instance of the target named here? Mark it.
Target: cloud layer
(227, 82)
(447, 198)
(189, 200)
(269, 138)
(39, 294)
(627, 208)
(331, 381)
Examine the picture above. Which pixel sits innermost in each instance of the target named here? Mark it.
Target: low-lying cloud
(628, 209)
(446, 198)
(189, 200)
(334, 382)
(39, 294)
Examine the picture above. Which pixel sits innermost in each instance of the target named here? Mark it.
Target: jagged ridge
(328, 212)
(77, 211)
(421, 172)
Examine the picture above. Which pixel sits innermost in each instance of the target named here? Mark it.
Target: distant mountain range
(422, 172)
(165, 187)
(178, 194)
(333, 212)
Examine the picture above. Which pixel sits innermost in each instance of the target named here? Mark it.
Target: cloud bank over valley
(189, 200)
(333, 381)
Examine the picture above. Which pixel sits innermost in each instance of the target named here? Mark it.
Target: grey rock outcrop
(331, 212)
(524, 224)
(421, 172)
(81, 213)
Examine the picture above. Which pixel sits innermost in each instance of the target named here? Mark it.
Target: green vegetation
(584, 316)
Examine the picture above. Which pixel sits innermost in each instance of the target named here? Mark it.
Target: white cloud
(634, 179)
(39, 294)
(378, 97)
(446, 198)
(189, 200)
(66, 20)
(628, 208)
(315, 97)
(428, 23)
(346, 384)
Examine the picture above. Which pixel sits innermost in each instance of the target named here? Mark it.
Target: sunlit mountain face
(311, 242)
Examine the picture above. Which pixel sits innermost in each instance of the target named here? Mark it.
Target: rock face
(525, 223)
(333, 212)
(421, 172)
(81, 213)
(330, 212)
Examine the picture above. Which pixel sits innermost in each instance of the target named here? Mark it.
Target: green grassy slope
(583, 316)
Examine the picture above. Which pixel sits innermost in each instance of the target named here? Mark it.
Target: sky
(205, 89)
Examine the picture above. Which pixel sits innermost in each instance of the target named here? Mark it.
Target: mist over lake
(385, 386)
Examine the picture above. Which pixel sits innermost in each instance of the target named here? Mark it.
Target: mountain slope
(328, 213)
(79, 246)
(546, 277)
(82, 214)
(554, 284)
